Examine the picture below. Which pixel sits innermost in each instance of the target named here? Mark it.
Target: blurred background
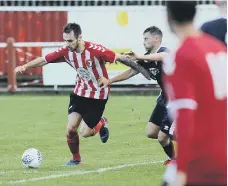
(33, 28)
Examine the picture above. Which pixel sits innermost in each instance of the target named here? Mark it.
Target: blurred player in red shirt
(87, 103)
(196, 83)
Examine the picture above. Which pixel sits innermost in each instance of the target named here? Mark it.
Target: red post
(11, 55)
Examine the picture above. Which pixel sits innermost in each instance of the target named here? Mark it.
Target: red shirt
(196, 84)
(90, 65)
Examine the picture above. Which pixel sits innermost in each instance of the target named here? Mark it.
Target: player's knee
(71, 128)
(163, 138)
(151, 131)
(87, 133)
(151, 134)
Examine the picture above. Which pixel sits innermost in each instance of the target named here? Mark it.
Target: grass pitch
(127, 159)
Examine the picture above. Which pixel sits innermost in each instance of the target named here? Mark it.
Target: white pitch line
(6, 172)
(81, 172)
(29, 172)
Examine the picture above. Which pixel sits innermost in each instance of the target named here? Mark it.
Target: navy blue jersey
(216, 28)
(155, 67)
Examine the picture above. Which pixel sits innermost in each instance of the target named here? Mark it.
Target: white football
(32, 158)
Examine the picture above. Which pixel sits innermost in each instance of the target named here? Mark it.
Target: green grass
(40, 122)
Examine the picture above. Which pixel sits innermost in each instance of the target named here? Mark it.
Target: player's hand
(103, 82)
(132, 55)
(20, 69)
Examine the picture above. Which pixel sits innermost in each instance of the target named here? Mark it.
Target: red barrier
(11, 65)
(29, 26)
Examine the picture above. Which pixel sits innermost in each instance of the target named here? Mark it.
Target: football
(32, 158)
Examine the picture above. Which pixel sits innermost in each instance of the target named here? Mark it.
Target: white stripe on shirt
(100, 72)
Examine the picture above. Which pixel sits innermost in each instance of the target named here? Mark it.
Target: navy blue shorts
(160, 118)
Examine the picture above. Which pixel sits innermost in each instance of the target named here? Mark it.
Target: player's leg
(74, 120)
(172, 131)
(93, 122)
(152, 130)
(83, 127)
(75, 112)
(172, 135)
(167, 145)
(104, 131)
(86, 131)
(164, 136)
(153, 126)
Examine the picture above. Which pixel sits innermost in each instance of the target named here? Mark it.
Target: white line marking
(6, 172)
(81, 172)
(29, 172)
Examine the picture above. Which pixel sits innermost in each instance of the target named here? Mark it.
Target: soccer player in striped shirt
(87, 103)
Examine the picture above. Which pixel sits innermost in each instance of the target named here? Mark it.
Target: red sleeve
(180, 87)
(109, 55)
(57, 56)
(104, 53)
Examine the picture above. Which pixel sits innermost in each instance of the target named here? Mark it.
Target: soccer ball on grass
(32, 158)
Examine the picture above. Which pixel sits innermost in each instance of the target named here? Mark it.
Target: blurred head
(180, 13)
(152, 38)
(72, 35)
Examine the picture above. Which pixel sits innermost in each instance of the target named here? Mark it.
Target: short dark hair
(181, 11)
(154, 30)
(72, 27)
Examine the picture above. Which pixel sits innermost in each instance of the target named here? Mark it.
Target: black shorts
(160, 118)
(90, 109)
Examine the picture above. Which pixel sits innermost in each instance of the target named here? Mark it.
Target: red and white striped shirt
(89, 64)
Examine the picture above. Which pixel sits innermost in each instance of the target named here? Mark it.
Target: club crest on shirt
(89, 63)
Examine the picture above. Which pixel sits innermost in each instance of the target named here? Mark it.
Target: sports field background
(128, 158)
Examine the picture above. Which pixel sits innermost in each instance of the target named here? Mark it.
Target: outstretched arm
(38, 62)
(121, 77)
(148, 57)
(134, 65)
(124, 76)
(153, 57)
(53, 57)
(110, 56)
